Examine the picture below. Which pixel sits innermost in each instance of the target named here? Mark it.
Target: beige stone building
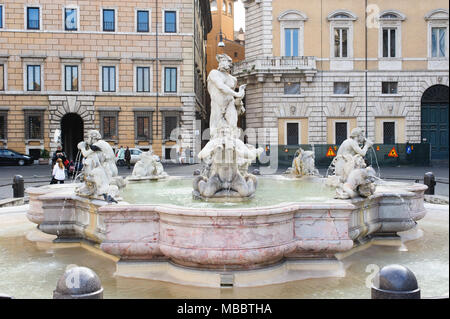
(315, 70)
(135, 70)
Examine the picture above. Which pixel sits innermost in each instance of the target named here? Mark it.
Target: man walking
(128, 157)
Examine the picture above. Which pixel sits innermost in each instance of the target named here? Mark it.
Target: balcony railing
(275, 64)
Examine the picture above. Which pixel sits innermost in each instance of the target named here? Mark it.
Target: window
(170, 124)
(213, 5)
(438, 42)
(230, 8)
(143, 79)
(3, 125)
(109, 20)
(291, 42)
(33, 77)
(170, 80)
(291, 88)
(109, 78)
(389, 43)
(143, 125)
(33, 18)
(224, 7)
(1, 16)
(71, 77)
(341, 88)
(235, 54)
(292, 133)
(2, 77)
(34, 126)
(70, 19)
(143, 21)
(340, 132)
(389, 133)
(389, 87)
(170, 21)
(109, 125)
(340, 43)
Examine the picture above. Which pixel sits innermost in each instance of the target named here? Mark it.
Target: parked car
(135, 156)
(10, 157)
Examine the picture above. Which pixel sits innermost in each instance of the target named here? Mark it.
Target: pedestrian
(128, 157)
(59, 154)
(59, 173)
(121, 156)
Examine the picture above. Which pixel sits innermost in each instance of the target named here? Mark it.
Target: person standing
(121, 156)
(59, 173)
(128, 157)
(59, 154)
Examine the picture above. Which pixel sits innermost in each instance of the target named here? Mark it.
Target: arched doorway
(434, 120)
(72, 132)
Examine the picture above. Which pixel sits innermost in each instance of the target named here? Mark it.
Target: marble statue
(303, 164)
(360, 182)
(350, 176)
(148, 167)
(99, 173)
(226, 157)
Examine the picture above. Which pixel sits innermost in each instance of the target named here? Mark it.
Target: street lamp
(221, 44)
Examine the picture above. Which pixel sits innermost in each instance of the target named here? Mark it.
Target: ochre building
(315, 70)
(135, 70)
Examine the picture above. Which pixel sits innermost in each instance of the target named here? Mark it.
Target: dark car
(9, 157)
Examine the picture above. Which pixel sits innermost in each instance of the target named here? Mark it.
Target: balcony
(277, 66)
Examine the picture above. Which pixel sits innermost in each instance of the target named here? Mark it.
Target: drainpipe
(157, 76)
(366, 68)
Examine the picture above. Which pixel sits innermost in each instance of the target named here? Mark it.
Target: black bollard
(78, 283)
(395, 282)
(5, 297)
(430, 181)
(18, 186)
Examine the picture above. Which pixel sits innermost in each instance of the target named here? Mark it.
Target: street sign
(330, 152)
(393, 153)
(409, 150)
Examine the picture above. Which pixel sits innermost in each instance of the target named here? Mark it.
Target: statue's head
(358, 134)
(225, 62)
(370, 175)
(94, 136)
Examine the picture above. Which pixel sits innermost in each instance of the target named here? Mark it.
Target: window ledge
(31, 140)
(390, 95)
(292, 95)
(342, 95)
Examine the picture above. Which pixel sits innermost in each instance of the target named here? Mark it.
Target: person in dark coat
(128, 157)
(59, 154)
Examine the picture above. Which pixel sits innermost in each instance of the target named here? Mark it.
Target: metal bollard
(18, 186)
(430, 181)
(78, 283)
(395, 282)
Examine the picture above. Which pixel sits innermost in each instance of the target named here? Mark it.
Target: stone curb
(436, 199)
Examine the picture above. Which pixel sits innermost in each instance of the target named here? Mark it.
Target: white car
(135, 156)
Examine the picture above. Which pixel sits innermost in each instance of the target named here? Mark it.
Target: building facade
(135, 70)
(222, 15)
(315, 70)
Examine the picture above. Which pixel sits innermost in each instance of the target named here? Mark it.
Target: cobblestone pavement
(37, 175)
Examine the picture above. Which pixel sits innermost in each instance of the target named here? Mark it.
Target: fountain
(231, 228)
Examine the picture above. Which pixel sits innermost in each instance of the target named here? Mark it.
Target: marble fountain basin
(288, 220)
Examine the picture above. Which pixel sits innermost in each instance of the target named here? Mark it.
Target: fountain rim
(334, 206)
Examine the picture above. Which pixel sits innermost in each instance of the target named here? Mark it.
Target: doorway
(72, 132)
(434, 120)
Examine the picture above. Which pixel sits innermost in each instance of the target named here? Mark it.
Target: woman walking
(59, 174)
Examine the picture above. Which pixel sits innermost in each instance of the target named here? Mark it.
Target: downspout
(366, 67)
(157, 77)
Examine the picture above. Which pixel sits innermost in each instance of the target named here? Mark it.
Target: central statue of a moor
(226, 157)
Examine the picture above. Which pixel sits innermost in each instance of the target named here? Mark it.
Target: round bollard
(395, 282)
(18, 186)
(430, 181)
(78, 283)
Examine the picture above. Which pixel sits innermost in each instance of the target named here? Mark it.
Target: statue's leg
(239, 185)
(209, 188)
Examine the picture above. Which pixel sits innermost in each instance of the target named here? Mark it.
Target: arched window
(230, 8)
(292, 32)
(438, 30)
(341, 40)
(213, 5)
(224, 7)
(390, 39)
